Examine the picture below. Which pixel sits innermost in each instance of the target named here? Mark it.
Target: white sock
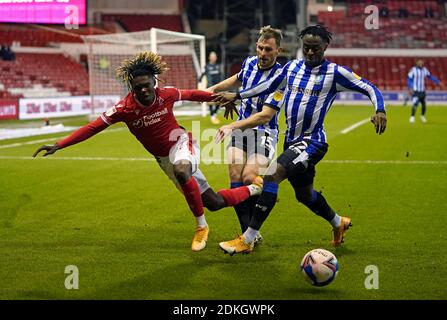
(250, 234)
(254, 189)
(201, 221)
(336, 221)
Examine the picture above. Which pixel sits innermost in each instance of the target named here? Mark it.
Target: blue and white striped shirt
(309, 93)
(416, 78)
(250, 75)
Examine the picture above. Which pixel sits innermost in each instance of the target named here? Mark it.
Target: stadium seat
(33, 74)
(392, 71)
(141, 22)
(416, 31)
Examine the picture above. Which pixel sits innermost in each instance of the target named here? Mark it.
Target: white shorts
(184, 149)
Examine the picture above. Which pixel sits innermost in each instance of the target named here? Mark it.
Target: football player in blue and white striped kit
(416, 85)
(250, 152)
(310, 87)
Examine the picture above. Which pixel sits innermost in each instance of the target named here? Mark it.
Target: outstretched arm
(254, 120)
(434, 79)
(195, 95)
(225, 85)
(348, 80)
(205, 96)
(79, 135)
(278, 81)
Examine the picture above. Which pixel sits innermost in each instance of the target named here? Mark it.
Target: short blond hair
(268, 32)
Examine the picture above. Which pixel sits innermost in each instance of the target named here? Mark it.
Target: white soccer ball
(319, 267)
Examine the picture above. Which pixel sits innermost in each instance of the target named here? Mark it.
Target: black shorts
(254, 142)
(299, 160)
(418, 96)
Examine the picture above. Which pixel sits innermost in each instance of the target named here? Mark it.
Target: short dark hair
(317, 30)
(268, 32)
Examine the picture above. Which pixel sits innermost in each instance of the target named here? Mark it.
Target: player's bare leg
(214, 201)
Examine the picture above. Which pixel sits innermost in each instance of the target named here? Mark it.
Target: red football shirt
(154, 126)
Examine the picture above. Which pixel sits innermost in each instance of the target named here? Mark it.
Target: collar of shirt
(133, 104)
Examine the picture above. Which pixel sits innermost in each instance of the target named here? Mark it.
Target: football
(319, 267)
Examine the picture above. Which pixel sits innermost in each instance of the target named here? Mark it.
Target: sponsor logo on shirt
(149, 119)
(306, 92)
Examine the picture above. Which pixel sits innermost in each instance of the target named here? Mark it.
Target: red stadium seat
(391, 72)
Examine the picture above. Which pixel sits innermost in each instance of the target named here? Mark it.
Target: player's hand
(229, 109)
(224, 98)
(50, 149)
(379, 121)
(210, 89)
(223, 132)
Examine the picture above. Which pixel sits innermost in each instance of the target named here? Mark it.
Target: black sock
(243, 213)
(319, 206)
(413, 110)
(265, 204)
(252, 200)
(242, 209)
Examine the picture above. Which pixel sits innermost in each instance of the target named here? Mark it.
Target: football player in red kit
(148, 113)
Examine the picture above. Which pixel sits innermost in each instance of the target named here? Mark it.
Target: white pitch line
(19, 144)
(384, 162)
(76, 158)
(440, 162)
(355, 125)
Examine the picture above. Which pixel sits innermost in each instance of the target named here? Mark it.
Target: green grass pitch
(129, 231)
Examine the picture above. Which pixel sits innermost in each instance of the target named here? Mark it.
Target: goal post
(184, 53)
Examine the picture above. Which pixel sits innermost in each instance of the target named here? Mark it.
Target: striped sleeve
(432, 77)
(347, 80)
(278, 81)
(411, 73)
(240, 74)
(275, 100)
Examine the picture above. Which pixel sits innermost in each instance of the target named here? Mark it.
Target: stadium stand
(51, 75)
(390, 73)
(29, 36)
(419, 30)
(409, 24)
(41, 74)
(142, 22)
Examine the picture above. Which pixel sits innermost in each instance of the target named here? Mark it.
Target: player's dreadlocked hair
(317, 30)
(142, 64)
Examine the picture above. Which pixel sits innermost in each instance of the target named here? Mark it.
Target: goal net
(184, 54)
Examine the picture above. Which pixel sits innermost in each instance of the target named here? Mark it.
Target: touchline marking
(76, 158)
(355, 125)
(20, 144)
(440, 162)
(386, 161)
